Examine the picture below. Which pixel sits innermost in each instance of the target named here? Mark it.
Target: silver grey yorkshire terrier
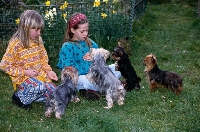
(63, 94)
(101, 75)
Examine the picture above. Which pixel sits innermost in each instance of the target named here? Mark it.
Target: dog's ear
(121, 53)
(106, 54)
(119, 44)
(63, 73)
(65, 68)
(91, 51)
(153, 59)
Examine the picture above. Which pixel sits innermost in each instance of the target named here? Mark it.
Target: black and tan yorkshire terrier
(157, 77)
(123, 64)
(101, 75)
(63, 94)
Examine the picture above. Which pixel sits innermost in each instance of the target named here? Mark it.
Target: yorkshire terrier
(63, 94)
(123, 65)
(157, 77)
(105, 53)
(101, 75)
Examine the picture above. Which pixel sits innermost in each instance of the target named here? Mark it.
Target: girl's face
(34, 33)
(80, 33)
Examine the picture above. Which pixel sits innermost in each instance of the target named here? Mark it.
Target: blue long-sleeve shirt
(71, 54)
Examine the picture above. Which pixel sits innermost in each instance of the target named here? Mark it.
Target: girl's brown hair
(68, 35)
(29, 19)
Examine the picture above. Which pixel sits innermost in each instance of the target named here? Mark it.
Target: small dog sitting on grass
(63, 94)
(157, 77)
(101, 75)
(123, 65)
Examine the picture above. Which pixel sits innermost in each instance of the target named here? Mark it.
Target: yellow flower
(64, 15)
(115, 1)
(96, 3)
(103, 15)
(62, 7)
(47, 12)
(48, 3)
(17, 20)
(114, 12)
(105, 1)
(65, 4)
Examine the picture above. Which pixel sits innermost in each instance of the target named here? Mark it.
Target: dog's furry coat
(101, 75)
(157, 77)
(63, 94)
(123, 64)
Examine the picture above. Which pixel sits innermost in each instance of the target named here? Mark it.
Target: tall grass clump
(171, 32)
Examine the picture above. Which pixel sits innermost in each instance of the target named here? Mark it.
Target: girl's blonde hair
(68, 35)
(29, 19)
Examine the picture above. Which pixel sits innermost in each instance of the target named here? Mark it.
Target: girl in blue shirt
(75, 52)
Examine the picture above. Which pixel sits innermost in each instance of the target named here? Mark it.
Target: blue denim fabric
(34, 90)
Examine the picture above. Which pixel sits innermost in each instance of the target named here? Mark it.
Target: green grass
(171, 32)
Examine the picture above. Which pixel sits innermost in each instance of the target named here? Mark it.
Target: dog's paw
(76, 100)
(116, 68)
(58, 116)
(116, 63)
(47, 114)
(107, 107)
(120, 103)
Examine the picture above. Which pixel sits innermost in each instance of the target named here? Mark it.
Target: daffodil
(96, 3)
(62, 7)
(47, 3)
(115, 1)
(50, 14)
(64, 15)
(17, 20)
(47, 15)
(65, 4)
(114, 12)
(106, 1)
(54, 11)
(103, 15)
(47, 12)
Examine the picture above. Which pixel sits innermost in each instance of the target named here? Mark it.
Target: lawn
(171, 32)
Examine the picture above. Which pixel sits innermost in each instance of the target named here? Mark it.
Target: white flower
(51, 13)
(54, 11)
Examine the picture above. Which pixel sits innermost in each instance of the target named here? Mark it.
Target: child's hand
(31, 73)
(52, 75)
(87, 57)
